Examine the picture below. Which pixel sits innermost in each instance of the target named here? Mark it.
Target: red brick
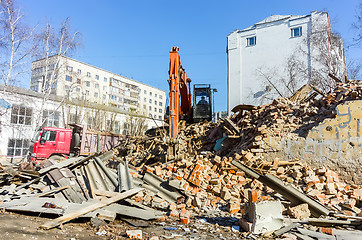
(326, 230)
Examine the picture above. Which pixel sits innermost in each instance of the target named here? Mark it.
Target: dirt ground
(24, 227)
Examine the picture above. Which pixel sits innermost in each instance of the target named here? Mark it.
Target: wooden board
(66, 218)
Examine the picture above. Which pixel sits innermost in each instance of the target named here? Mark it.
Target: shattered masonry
(312, 146)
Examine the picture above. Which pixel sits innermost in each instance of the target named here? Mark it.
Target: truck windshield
(36, 136)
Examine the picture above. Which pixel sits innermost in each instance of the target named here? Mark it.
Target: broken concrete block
(331, 189)
(225, 194)
(265, 216)
(233, 207)
(154, 238)
(174, 213)
(134, 234)
(196, 202)
(175, 183)
(300, 212)
(185, 216)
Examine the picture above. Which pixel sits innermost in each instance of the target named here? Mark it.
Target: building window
(150, 93)
(104, 88)
(50, 118)
(160, 96)
(144, 106)
(79, 81)
(95, 94)
(160, 110)
(160, 117)
(296, 32)
(87, 92)
(105, 79)
(145, 99)
(97, 77)
(150, 108)
(21, 115)
(155, 94)
(160, 103)
(150, 100)
(18, 147)
(155, 102)
(251, 41)
(79, 71)
(88, 74)
(87, 83)
(145, 92)
(69, 68)
(96, 85)
(68, 78)
(90, 122)
(155, 109)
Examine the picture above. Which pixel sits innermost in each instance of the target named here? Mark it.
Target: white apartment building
(278, 55)
(72, 79)
(22, 111)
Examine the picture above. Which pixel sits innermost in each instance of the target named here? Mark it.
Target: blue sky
(133, 38)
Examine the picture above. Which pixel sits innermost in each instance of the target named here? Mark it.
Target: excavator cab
(202, 103)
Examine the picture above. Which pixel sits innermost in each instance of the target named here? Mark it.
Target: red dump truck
(61, 143)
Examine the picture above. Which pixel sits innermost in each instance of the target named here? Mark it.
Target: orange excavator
(182, 104)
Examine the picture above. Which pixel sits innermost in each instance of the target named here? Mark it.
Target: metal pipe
(289, 192)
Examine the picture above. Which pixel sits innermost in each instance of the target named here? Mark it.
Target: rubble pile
(209, 185)
(215, 177)
(283, 117)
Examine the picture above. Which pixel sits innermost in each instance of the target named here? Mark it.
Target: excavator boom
(182, 106)
(180, 98)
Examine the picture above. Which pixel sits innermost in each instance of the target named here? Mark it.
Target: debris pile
(215, 177)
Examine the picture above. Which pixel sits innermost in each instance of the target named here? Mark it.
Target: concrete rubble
(223, 180)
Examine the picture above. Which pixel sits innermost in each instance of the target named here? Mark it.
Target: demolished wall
(322, 132)
(335, 143)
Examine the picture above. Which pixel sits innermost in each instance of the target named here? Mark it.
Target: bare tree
(135, 125)
(354, 69)
(358, 25)
(321, 53)
(15, 43)
(52, 45)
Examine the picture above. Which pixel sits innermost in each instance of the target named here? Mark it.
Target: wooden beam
(66, 218)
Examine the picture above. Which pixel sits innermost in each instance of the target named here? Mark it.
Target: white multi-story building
(278, 55)
(72, 79)
(22, 111)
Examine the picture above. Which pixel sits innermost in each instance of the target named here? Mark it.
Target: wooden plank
(66, 218)
(28, 183)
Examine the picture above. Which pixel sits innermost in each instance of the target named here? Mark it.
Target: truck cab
(50, 140)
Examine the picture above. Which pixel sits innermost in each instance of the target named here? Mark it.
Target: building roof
(273, 18)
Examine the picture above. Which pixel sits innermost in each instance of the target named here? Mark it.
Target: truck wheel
(76, 140)
(56, 158)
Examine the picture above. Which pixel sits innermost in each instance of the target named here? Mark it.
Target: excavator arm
(180, 98)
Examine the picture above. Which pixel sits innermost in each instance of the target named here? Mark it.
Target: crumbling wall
(335, 143)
